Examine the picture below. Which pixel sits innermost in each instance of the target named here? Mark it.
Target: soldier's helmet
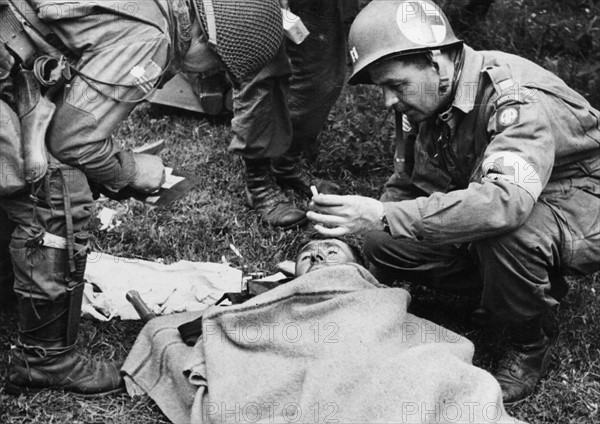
(245, 34)
(388, 28)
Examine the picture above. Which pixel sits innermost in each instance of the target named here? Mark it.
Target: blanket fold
(330, 346)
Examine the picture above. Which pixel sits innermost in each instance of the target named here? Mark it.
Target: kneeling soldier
(79, 70)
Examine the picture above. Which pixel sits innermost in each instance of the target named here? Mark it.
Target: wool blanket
(330, 346)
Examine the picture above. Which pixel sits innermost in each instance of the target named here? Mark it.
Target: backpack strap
(45, 34)
(13, 35)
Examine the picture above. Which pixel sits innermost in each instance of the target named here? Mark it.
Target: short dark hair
(360, 259)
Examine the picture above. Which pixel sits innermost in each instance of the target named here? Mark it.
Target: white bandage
(56, 242)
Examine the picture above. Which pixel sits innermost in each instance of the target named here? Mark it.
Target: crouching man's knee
(374, 246)
(520, 272)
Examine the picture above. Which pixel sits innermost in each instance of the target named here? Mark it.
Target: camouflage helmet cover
(387, 28)
(248, 32)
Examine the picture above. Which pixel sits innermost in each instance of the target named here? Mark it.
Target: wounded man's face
(321, 253)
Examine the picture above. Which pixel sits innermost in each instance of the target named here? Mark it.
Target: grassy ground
(355, 152)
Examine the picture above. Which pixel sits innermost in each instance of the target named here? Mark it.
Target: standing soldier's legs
(522, 273)
(49, 279)
(49, 287)
(274, 122)
(318, 69)
(318, 73)
(261, 131)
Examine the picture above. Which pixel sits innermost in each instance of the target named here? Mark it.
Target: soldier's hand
(6, 62)
(150, 173)
(336, 216)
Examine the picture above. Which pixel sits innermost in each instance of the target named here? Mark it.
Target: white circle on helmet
(421, 22)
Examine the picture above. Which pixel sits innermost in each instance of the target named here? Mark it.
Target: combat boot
(289, 173)
(522, 367)
(45, 355)
(267, 198)
(44, 359)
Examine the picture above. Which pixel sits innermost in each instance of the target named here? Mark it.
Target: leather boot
(264, 196)
(45, 355)
(289, 173)
(522, 367)
(44, 358)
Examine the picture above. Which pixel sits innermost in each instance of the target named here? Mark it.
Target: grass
(355, 151)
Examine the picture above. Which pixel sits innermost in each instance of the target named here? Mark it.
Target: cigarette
(314, 191)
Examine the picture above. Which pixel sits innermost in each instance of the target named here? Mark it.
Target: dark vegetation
(355, 151)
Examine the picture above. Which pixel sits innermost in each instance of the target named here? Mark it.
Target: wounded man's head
(326, 252)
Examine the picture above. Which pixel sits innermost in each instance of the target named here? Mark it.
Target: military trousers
(40, 271)
(287, 103)
(120, 58)
(60, 203)
(520, 273)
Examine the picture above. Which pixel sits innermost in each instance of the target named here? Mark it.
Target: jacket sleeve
(516, 165)
(398, 187)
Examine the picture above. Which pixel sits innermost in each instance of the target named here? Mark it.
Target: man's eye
(303, 258)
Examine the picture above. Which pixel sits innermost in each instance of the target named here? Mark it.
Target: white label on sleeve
(406, 127)
(509, 166)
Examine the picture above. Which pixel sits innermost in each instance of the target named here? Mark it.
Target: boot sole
(516, 402)
(15, 390)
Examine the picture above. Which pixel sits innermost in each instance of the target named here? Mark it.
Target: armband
(386, 224)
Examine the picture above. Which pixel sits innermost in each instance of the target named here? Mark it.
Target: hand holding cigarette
(335, 215)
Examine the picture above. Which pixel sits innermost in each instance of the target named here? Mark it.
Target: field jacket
(107, 41)
(513, 132)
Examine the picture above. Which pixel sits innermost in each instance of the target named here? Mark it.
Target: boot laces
(512, 360)
(20, 351)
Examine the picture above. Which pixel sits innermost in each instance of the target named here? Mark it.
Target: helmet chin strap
(434, 56)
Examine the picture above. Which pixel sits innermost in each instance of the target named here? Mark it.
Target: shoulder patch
(507, 116)
(508, 90)
(507, 98)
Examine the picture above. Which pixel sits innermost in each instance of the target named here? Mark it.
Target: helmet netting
(249, 33)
